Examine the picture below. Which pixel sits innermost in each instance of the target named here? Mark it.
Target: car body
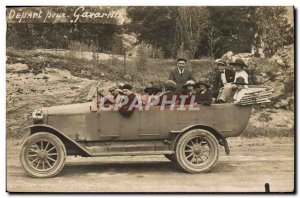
(183, 136)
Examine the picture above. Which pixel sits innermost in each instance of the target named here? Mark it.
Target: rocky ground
(26, 92)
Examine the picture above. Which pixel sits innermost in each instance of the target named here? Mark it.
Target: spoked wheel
(197, 151)
(43, 155)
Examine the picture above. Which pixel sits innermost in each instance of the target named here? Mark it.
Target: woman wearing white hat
(189, 92)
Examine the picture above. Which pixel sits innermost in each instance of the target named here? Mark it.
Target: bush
(142, 57)
(79, 46)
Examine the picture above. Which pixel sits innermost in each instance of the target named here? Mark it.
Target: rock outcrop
(277, 71)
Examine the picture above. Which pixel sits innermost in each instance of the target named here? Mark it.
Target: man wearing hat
(152, 89)
(181, 75)
(110, 98)
(226, 93)
(223, 76)
(241, 89)
(169, 94)
(204, 94)
(124, 109)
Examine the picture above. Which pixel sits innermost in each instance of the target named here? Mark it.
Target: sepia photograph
(150, 99)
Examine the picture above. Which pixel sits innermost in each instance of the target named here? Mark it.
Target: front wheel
(197, 151)
(43, 155)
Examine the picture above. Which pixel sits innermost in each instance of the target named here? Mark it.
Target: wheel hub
(197, 150)
(42, 155)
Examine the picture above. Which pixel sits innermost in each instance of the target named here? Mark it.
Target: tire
(43, 155)
(197, 151)
(171, 157)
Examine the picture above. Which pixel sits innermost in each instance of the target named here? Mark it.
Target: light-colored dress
(239, 94)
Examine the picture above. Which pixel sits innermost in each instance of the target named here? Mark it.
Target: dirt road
(252, 163)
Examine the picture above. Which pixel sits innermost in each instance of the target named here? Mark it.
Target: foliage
(58, 36)
(190, 24)
(194, 31)
(234, 29)
(154, 25)
(142, 57)
(274, 32)
(211, 31)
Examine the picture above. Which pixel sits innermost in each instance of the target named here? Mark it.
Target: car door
(109, 125)
(149, 123)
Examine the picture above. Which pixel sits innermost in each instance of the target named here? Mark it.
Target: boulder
(284, 58)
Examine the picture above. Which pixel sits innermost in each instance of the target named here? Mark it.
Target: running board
(127, 148)
(131, 153)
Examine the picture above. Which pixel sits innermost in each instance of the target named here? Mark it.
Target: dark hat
(120, 85)
(181, 59)
(240, 81)
(154, 88)
(203, 81)
(127, 86)
(239, 62)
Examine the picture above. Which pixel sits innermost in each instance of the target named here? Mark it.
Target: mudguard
(65, 139)
(221, 139)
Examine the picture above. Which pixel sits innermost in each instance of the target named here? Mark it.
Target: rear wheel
(197, 151)
(43, 155)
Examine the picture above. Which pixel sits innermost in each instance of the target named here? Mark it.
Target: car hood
(69, 109)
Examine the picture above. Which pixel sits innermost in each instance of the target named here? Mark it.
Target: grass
(255, 132)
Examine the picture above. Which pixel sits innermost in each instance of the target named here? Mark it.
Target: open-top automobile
(189, 138)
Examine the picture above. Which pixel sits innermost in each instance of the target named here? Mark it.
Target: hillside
(42, 77)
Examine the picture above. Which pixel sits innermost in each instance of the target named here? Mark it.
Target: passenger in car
(126, 109)
(189, 94)
(110, 96)
(241, 89)
(226, 93)
(169, 96)
(223, 76)
(152, 89)
(204, 94)
(115, 92)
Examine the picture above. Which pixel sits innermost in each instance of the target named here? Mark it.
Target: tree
(234, 29)
(212, 31)
(154, 25)
(190, 24)
(274, 31)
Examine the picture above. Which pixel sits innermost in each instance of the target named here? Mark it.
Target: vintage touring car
(189, 138)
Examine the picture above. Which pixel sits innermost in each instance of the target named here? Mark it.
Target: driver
(110, 96)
